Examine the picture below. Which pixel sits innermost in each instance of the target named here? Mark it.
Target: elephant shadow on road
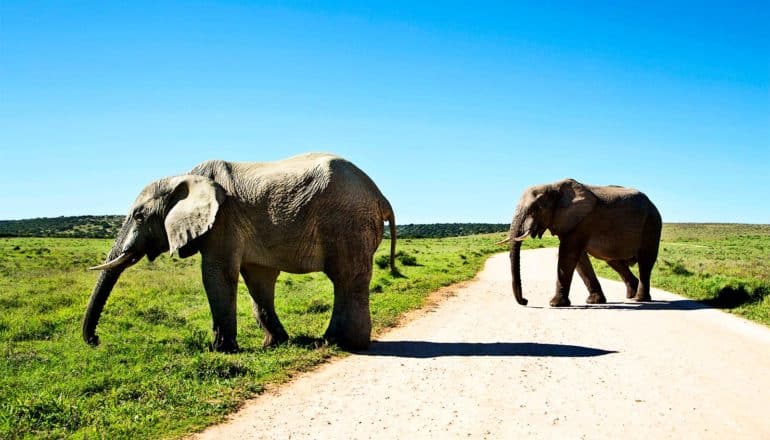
(427, 349)
(680, 304)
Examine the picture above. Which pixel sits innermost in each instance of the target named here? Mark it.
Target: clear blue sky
(453, 108)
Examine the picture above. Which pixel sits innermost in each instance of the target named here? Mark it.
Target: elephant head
(168, 215)
(558, 207)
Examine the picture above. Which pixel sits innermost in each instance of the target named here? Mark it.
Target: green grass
(724, 265)
(153, 376)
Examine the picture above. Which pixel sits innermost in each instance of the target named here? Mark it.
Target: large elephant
(313, 212)
(618, 225)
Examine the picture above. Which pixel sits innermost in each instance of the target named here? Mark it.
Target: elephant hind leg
(350, 326)
(647, 255)
(631, 282)
(586, 272)
(646, 262)
(261, 283)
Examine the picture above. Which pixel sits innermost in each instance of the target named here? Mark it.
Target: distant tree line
(439, 230)
(84, 226)
(107, 226)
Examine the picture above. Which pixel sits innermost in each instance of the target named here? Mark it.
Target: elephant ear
(195, 201)
(575, 202)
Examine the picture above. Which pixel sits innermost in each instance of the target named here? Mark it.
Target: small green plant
(318, 306)
(217, 366)
(675, 267)
(406, 259)
(382, 261)
(196, 341)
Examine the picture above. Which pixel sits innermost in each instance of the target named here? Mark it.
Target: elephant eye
(139, 216)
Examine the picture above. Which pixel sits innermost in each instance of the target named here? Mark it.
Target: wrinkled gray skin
(314, 212)
(618, 225)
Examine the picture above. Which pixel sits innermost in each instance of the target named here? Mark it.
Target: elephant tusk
(507, 239)
(521, 237)
(120, 260)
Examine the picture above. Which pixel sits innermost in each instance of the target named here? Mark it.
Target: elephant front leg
(261, 283)
(569, 255)
(221, 283)
(586, 272)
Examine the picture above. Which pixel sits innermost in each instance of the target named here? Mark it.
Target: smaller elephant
(618, 225)
(308, 213)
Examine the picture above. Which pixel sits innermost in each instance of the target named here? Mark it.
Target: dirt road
(481, 366)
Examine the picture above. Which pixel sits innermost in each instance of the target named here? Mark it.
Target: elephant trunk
(516, 272)
(101, 292)
(515, 256)
(103, 287)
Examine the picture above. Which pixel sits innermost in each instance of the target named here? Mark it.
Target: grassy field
(153, 376)
(724, 265)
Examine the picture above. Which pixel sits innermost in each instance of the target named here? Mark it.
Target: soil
(478, 365)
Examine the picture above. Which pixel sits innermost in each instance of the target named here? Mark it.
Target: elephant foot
(631, 289)
(224, 347)
(560, 301)
(351, 327)
(274, 340)
(224, 340)
(596, 298)
(356, 343)
(643, 298)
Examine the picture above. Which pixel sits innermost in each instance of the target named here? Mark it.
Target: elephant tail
(387, 214)
(392, 225)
